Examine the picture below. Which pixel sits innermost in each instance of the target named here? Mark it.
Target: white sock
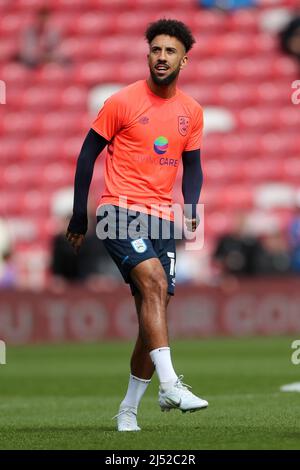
(135, 391)
(161, 358)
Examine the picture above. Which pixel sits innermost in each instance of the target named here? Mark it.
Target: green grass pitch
(64, 396)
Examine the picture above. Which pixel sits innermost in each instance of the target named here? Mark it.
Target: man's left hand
(192, 224)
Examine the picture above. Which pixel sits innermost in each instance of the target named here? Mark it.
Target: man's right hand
(75, 239)
(192, 224)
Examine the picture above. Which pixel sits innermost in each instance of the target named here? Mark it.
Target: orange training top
(147, 135)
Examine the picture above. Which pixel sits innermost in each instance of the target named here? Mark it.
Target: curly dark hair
(172, 28)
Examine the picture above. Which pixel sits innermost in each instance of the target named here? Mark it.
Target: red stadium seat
(244, 20)
(36, 202)
(65, 22)
(231, 146)
(121, 48)
(32, 230)
(274, 93)
(93, 73)
(42, 149)
(10, 150)
(283, 143)
(218, 222)
(215, 171)
(254, 69)
(97, 24)
(212, 70)
(40, 98)
(289, 117)
(25, 5)
(8, 49)
(11, 24)
(291, 169)
(210, 197)
(257, 118)
(70, 147)
(55, 75)
(163, 5)
(285, 67)
(18, 176)
(132, 71)
(237, 94)
(205, 94)
(115, 6)
(20, 123)
(235, 44)
(74, 97)
(64, 123)
(37, 176)
(207, 21)
(262, 169)
(15, 73)
(7, 205)
(78, 48)
(237, 197)
(127, 23)
(56, 175)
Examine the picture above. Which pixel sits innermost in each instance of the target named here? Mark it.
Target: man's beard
(167, 80)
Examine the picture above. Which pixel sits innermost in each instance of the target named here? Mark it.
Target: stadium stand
(236, 65)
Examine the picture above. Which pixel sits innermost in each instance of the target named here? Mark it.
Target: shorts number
(171, 255)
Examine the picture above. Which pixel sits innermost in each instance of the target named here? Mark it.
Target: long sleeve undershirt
(92, 146)
(192, 180)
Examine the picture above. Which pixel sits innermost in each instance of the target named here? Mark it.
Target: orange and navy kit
(147, 135)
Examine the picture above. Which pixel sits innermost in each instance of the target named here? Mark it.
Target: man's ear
(184, 61)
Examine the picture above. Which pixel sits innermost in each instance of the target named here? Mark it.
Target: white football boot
(126, 419)
(179, 397)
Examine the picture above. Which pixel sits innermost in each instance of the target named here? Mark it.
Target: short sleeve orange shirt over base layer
(147, 135)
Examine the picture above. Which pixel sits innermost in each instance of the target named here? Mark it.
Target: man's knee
(154, 283)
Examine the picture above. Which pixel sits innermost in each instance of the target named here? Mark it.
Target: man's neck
(163, 91)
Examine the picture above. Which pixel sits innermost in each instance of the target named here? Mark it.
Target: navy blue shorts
(133, 237)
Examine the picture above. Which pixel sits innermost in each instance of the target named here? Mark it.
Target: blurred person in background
(149, 126)
(227, 5)
(39, 42)
(64, 263)
(294, 241)
(91, 262)
(290, 38)
(238, 253)
(8, 272)
(275, 259)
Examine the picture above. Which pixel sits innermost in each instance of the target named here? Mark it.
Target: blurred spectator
(227, 4)
(275, 259)
(238, 253)
(8, 276)
(40, 42)
(290, 38)
(294, 241)
(4, 238)
(92, 259)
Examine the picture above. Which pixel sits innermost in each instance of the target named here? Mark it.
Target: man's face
(166, 58)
